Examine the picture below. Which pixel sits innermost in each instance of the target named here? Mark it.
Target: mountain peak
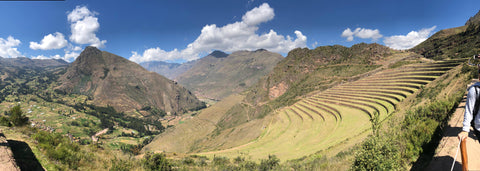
(218, 54)
(474, 20)
(260, 50)
(126, 86)
(90, 50)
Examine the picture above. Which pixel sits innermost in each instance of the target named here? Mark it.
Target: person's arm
(468, 115)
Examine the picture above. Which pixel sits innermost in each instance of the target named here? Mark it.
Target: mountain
(474, 20)
(23, 62)
(126, 86)
(459, 42)
(219, 75)
(169, 70)
(173, 70)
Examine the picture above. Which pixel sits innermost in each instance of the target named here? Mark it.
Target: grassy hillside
(219, 75)
(460, 42)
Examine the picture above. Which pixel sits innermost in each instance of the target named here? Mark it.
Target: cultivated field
(338, 114)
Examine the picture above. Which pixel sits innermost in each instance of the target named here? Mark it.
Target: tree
(16, 116)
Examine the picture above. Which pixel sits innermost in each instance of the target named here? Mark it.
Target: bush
(5, 122)
(220, 161)
(156, 161)
(377, 154)
(269, 164)
(60, 148)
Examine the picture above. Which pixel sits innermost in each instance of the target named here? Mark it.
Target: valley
(361, 107)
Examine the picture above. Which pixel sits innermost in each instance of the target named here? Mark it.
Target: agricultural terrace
(338, 114)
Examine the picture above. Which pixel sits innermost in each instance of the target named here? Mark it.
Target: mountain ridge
(216, 77)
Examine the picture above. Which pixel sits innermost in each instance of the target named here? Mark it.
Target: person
(473, 92)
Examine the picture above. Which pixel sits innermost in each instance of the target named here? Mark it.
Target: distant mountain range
(219, 74)
(24, 62)
(173, 70)
(115, 81)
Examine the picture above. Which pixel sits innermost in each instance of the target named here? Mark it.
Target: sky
(185, 30)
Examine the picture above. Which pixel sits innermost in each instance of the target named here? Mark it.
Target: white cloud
(258, 15)
(69, 56)
(361, 33)
(7, 47)
(154, 54)
(410, 40)
(231, 37)
(50, 41)
(84, 24)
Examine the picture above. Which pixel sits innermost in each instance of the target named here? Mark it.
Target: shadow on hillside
(24, 156)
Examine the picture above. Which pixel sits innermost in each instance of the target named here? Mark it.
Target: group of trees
(109, 117)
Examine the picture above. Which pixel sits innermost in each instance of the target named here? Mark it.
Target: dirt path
(7, 162)
(447, 147)
(94, 137)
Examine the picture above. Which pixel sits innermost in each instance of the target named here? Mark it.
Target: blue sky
(181, 30)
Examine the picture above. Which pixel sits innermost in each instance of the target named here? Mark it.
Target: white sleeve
(468, 116)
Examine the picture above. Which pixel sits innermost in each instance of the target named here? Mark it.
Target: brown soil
(7, 162)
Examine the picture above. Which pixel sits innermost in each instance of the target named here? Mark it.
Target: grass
(183, 137)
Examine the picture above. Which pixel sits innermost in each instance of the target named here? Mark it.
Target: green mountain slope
(460, 42)
(115, 81)
(219, 75)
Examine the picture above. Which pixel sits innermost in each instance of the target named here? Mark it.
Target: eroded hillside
(126, 86)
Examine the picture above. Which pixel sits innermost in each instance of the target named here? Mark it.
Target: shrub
(156, 161)
(5, 122)
(188, 161)
(377, 154)
(220, 161)
(269, 164)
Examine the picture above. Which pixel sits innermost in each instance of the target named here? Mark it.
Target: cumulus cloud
(410, 40)
(50, 41)
(84, 24)
(361, 33)
(236, 36)
(8, 47)
(258, 15)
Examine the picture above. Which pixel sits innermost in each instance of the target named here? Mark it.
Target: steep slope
(460, 42)
(126, 86)
(219, 75)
